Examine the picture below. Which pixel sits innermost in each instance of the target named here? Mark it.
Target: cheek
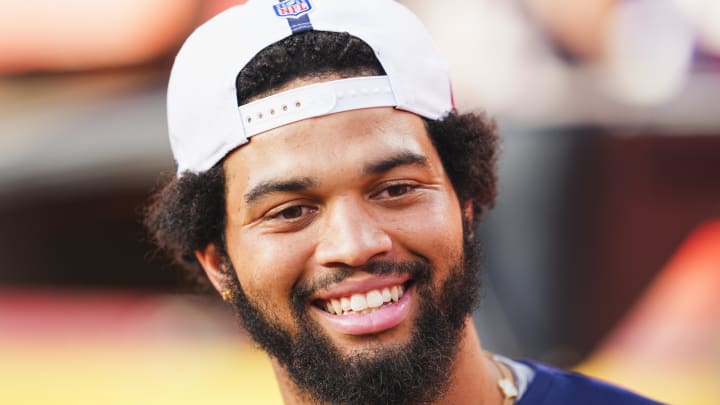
(435, 231)
(267, 267)
(437, 235)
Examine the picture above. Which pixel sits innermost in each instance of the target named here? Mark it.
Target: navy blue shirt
(551, 386)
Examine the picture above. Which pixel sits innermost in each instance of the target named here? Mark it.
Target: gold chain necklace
(506, 382)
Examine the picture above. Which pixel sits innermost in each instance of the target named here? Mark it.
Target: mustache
(418, 269)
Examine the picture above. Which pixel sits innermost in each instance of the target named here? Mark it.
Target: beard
(418, 372)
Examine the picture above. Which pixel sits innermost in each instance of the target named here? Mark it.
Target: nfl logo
(292, 8)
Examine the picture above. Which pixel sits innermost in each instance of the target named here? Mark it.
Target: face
(346, 239)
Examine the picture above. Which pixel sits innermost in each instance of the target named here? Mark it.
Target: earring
(226, 294)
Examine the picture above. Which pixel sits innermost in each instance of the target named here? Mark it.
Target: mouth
(361, 303)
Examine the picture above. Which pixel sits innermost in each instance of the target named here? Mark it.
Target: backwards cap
(204, 120)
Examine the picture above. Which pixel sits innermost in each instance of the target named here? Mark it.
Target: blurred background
(602, 253)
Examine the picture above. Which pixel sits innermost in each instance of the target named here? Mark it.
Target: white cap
(204, 120)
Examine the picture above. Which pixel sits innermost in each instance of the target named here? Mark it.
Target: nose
(351, 236)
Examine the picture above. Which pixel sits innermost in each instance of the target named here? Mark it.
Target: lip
(381, 319)
(360, 285)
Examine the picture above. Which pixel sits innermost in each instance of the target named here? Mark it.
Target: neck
(473, 378)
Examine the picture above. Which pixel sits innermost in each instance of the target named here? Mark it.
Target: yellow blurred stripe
(674, 383)
(134, 373)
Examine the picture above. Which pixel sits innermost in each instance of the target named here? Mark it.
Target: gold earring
(226, 294)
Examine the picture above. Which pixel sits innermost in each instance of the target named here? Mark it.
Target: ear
(214, 265)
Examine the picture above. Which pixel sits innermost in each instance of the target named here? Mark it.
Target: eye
(396, 190)
(292, 213)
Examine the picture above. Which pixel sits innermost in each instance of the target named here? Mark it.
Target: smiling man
(329, 190)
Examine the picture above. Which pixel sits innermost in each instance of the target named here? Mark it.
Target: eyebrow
(267, 187)
(303, 183)
(400, 159)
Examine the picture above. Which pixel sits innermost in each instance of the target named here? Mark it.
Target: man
(329, 191)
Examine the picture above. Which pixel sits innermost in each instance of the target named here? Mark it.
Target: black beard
(417, 373)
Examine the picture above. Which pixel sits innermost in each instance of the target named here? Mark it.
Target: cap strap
(316, 100)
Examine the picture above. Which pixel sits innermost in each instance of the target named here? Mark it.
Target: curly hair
(188, 213)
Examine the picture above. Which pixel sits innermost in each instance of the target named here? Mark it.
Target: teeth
(337, 309)
(364, 303)
(394, 294)
(374, 299)
(345, 304)
(358, 302)
(386, 295)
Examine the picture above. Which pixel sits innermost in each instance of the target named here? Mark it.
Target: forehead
(330, 145)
